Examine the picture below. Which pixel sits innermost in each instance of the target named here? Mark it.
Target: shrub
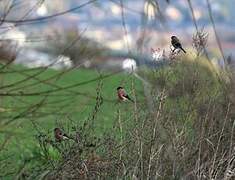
(185, 132)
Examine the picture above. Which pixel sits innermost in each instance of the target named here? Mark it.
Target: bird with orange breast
(122, 95)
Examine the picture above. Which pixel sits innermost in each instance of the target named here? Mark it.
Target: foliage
(184, 130)
(79, 48)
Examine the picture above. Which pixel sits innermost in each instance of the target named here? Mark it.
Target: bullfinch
(122, 95)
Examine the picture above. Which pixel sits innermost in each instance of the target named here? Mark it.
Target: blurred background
(116, 29)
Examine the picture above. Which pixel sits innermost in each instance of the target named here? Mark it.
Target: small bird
(122, 95)
(60, 135)
(176, 43)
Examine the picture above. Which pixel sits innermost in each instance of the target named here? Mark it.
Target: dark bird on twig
(122, 95)
(60, 135)
(176, 43)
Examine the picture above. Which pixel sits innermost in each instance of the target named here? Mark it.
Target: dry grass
(186, 133)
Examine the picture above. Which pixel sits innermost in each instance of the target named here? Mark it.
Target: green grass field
(183, 103)
(24, 113)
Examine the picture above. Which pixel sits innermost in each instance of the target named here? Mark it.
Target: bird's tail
(183, 50)
(130, 99)
(65, 137)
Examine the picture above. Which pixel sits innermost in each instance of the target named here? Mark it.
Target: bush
(77, 47)
(185, 132)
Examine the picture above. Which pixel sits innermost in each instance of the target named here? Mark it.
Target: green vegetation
(181, 125)
(24, 116)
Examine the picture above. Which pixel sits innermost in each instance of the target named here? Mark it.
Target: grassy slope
(189, 88)
(22, 144)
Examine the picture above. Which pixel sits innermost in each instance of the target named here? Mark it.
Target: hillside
(34, 105)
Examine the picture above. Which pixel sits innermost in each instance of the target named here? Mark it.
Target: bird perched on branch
(122, 95)
(176, 43)
(60, 135)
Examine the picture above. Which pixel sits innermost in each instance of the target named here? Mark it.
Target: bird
(60, 135)
(176, 43)
(122, 95)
